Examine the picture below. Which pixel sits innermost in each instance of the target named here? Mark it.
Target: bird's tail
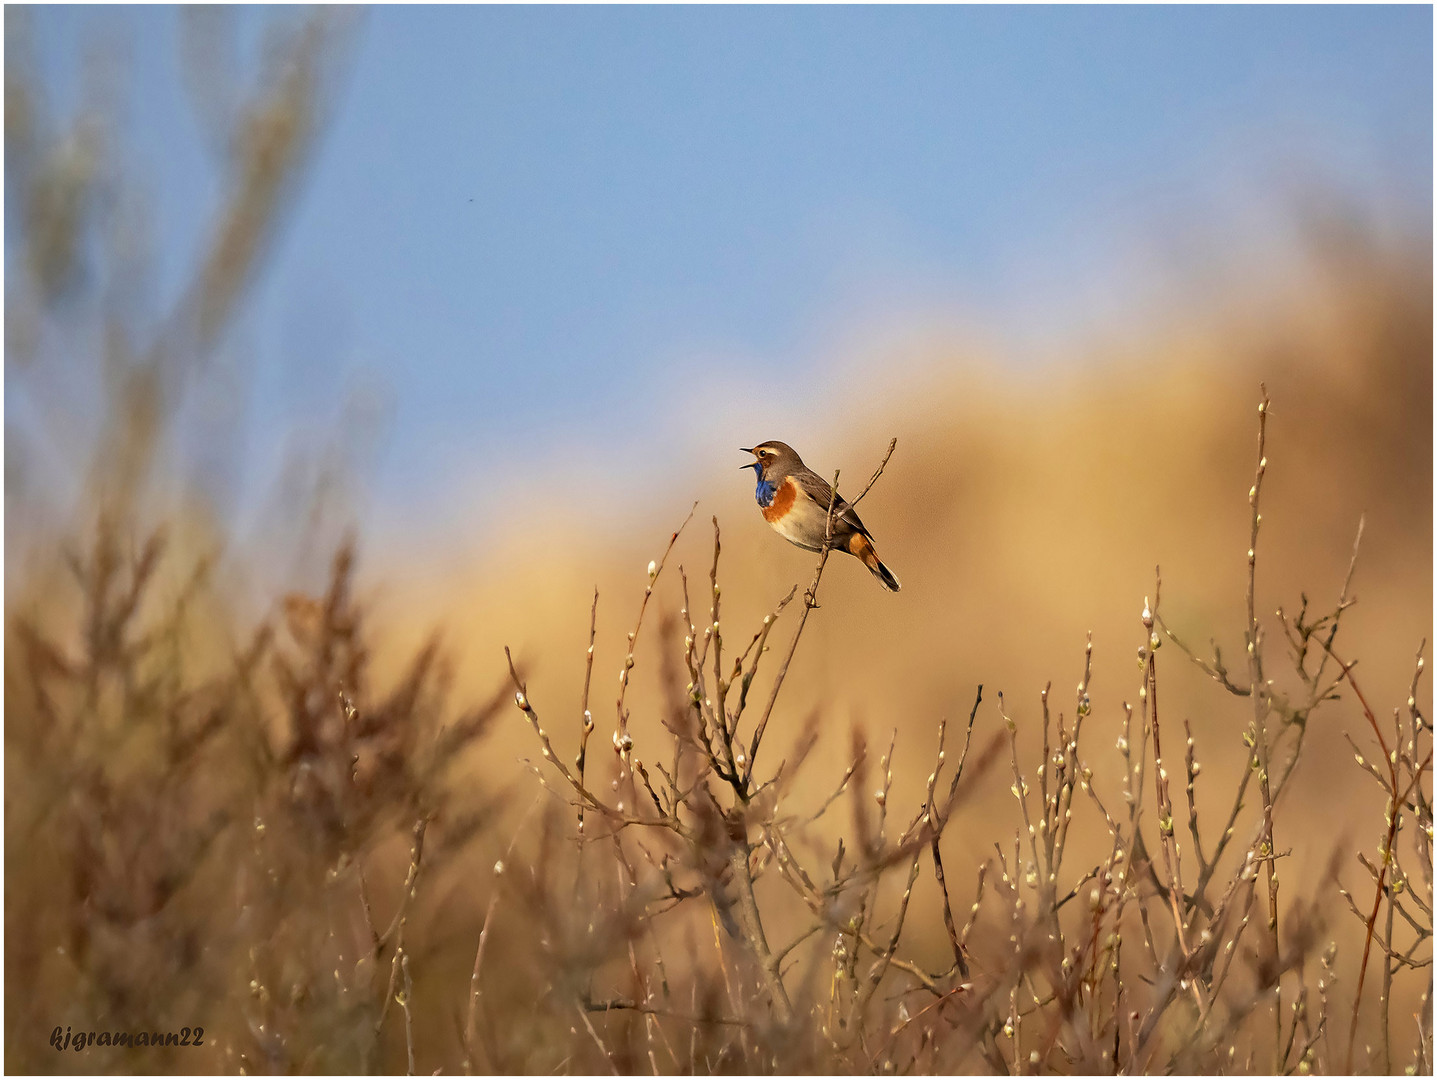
(862, 547)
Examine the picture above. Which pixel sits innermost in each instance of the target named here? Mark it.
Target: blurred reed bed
(792, 835)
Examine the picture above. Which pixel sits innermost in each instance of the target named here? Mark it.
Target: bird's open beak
(751, 464)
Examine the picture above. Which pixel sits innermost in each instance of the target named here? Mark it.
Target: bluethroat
(795, 501)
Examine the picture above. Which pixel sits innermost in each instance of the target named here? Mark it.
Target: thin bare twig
(586, 721)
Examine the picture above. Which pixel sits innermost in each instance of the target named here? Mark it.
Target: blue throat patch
(765, 492)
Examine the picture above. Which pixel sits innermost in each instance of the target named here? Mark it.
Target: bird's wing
(818, 489)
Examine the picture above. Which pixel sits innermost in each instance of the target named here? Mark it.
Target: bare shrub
(1139, 954)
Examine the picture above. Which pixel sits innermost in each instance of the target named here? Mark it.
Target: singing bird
(795, 499)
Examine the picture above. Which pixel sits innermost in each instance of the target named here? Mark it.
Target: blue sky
(543, 223)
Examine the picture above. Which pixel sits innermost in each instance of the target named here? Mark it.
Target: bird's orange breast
(782, 502)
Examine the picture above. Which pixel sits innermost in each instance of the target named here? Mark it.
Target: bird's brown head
(773, 460)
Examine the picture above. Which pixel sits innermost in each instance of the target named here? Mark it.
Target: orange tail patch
(862, 547)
